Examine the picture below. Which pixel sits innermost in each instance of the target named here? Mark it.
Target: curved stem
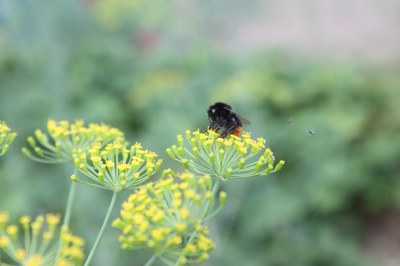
(103, 227)
(67, 217)
(151, 260)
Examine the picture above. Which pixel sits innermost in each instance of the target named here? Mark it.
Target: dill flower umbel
(226, 158)
(35, 242)
(116, 167)
(168, 218)
(6, 137)
(63, 138)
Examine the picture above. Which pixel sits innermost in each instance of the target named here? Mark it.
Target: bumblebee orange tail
(238, 131)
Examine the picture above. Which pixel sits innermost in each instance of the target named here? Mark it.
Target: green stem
(151, 260)
(67, 217)
(103, 227)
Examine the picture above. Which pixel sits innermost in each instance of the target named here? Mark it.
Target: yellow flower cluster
(64, 137)
(116, 167)
(39, 241)
(231, 157)
(6, 137)
(168, 218)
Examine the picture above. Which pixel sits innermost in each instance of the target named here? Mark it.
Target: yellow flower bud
(4, 241)
(12, 231)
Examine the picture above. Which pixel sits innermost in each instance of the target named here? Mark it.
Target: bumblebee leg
(212, 123)
(213, 127)
(224, 134)
(229, 130)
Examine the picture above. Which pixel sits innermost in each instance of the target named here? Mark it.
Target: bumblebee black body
(222, 116)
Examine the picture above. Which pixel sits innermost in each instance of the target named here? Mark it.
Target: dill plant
(34, 242)
(6, 137)
(167, 216)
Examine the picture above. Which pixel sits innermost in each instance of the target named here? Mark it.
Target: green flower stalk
(60, 143)
(6, 137)
(116, 167)
(63, 138)
(168, 218)
(226, 158)
(35, 242)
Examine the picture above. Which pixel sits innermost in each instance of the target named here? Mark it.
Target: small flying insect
(312, 132)
(222, 116)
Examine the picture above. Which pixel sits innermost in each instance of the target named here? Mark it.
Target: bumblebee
(222, 116)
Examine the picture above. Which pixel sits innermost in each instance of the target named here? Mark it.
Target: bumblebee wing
(242, 119)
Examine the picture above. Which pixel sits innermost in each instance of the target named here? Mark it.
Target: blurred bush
(336, 125)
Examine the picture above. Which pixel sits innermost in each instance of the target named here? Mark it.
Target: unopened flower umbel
(115, 166)
(6, 137)
(226, 158)
(168, 218)
(63, 138)
(35, 242)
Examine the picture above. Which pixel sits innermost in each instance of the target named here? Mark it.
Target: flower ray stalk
(6, 137)
(115, 167)
(151, 260)
(224, 158)
(67, 216)
(40, 241)
(102, 229)
(201, 159)
(63, 138)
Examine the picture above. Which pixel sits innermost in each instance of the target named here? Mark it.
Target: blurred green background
(323, 89)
